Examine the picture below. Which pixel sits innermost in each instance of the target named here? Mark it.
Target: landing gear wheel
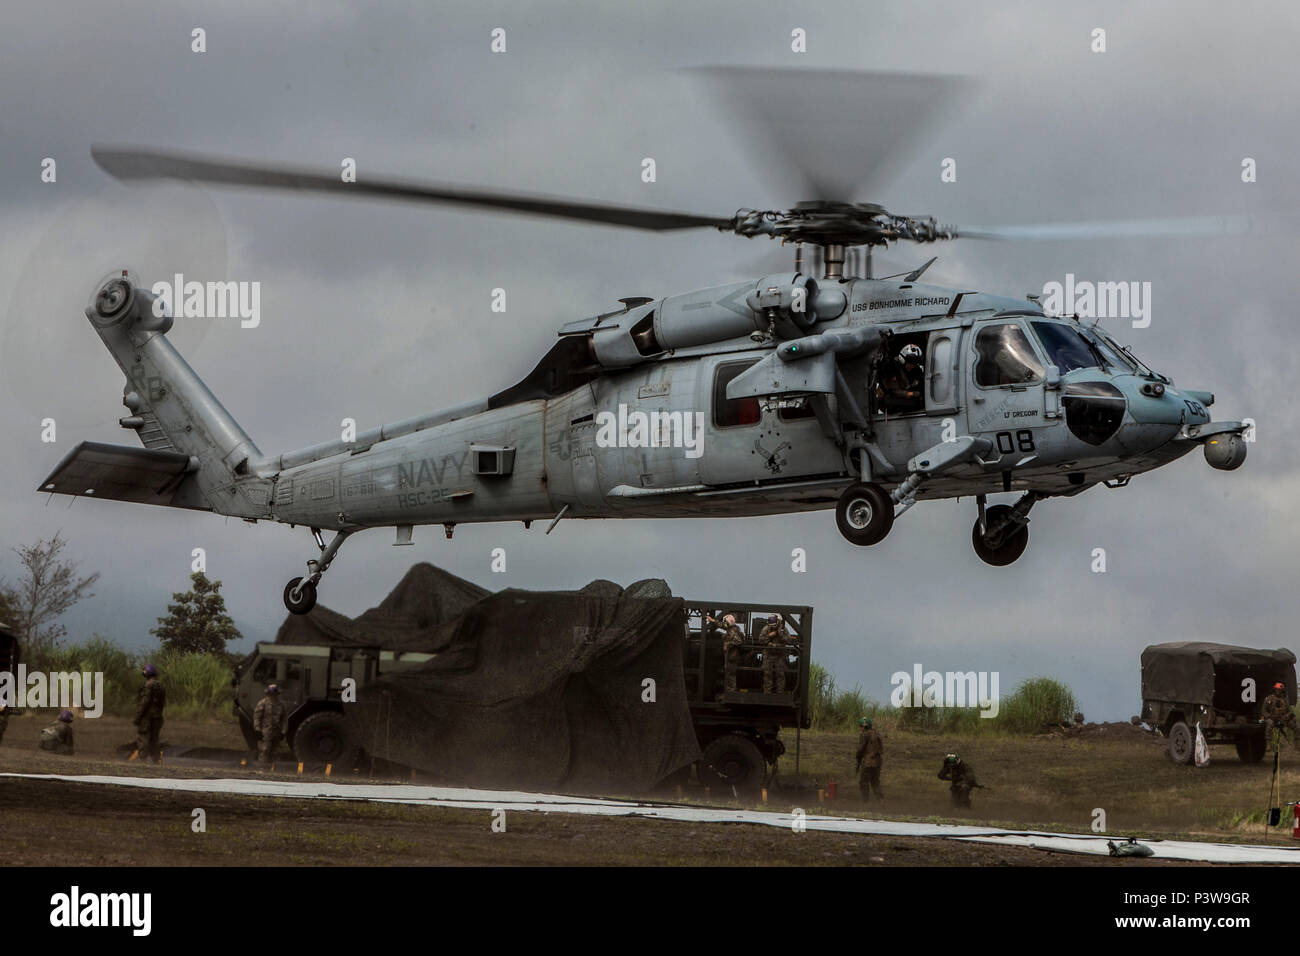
(306, 599)
(733, 761)
(325, 738)
(1012, 546)
(1252, 749)
(1180, 743)
(864, 513)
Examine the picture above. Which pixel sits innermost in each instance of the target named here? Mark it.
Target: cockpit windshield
(1069, 347)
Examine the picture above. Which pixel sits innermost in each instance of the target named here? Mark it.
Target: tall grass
(196, 684)
(1034, 706)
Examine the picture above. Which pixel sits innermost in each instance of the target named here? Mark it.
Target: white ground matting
(594, 806)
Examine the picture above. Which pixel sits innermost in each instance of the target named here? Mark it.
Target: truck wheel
(1251, 749)
(325, 737)
(733, 761)
(1181, 743)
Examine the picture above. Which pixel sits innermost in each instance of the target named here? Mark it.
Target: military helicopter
(791, 392)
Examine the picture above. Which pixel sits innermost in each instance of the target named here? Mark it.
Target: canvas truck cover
(1187, 672)
(533, 688)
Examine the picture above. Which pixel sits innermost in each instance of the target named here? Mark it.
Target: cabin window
(1005, 357)
(729, 413)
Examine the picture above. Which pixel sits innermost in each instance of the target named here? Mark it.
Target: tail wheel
(1180, 743)
(864, 513)
(1251, 749)
(733, 761)
(325, 737)
(1009, 548)
(305, 599)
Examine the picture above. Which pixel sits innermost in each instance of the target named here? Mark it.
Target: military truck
(738, 732)
(311, 678)
(1220, 687)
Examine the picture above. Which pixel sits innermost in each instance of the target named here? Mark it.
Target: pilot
(901, 386)
(776, 641)
(268, 723)
(869, 755)
(1278, 715)
(58, 735)
(962, 779)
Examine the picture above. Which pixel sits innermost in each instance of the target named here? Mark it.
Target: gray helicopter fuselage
(698, 452)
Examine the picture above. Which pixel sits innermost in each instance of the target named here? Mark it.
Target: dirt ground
(1040, 783)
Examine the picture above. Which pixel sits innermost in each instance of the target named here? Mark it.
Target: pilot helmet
(910, 353)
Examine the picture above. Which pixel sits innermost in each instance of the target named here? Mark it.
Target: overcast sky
(378, 311)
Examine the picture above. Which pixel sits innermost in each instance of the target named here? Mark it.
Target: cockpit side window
(1004, 356)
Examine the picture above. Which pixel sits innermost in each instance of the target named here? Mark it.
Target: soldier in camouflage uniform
(1278, 715)
(58, 735)
(776, 641)
(869, 755)
(732, 639)
(963, 779)
(268, 723)
(149, 705)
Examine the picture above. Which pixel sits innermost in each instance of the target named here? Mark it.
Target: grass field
(1033, 783)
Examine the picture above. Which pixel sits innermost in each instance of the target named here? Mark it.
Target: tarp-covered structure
(1198, 672)
(578, 689)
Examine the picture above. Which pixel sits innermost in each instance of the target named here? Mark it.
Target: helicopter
(809, 389)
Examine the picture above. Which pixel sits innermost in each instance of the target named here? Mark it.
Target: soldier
(870, 755)
(732, 639)
(776, 641)
(901, 386)
(58, 735)
(1278, 715)
(149, 704)
(963, 779)
(268, 723)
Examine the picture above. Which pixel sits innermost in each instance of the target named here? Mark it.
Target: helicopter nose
(1155, 403)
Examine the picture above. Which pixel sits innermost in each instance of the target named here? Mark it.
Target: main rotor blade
(839, 132)
(1187, 226)
(130, 163)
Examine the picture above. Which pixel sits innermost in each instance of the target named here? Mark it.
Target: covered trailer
(1219, 686)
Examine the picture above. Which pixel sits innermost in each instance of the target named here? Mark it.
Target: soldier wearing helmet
(961, 777)
(732, 640)
(57, 737)
(869, 755)
(268, 722)
(149, 705)
(901, 385)
(776, 641)
(1277, 715)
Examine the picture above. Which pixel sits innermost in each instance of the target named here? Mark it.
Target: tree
(197, 622)
(49, 585)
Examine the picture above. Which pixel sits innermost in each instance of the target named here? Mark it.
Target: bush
(196, 683)
(1034, 706)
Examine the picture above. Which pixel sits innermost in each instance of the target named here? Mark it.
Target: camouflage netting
(529, 688)
(425, 598)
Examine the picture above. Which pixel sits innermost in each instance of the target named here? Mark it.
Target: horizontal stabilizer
(122, 473)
